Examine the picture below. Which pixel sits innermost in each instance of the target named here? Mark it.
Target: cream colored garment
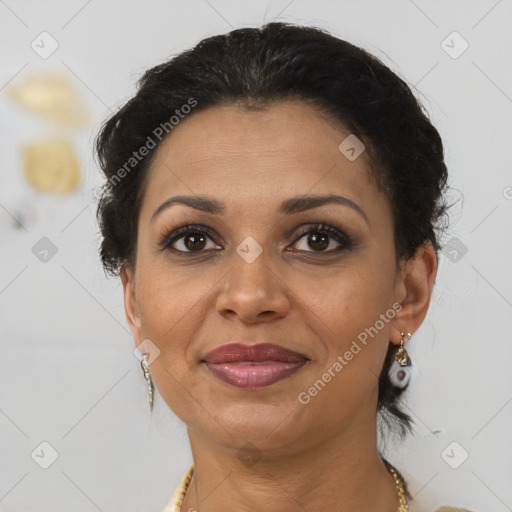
(173, 505)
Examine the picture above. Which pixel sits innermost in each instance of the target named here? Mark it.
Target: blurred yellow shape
(52, 96)
(51, 166)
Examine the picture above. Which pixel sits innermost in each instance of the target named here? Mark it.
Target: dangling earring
(399, 372)
(147, 375)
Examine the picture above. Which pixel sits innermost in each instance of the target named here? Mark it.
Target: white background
(67, 372)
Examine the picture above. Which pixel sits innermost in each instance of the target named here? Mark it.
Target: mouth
(253, 366)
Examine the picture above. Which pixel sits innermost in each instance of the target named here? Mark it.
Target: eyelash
(342, 238)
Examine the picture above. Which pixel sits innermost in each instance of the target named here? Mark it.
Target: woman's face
(260, 276)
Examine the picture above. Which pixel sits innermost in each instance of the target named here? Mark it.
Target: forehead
(287, 149)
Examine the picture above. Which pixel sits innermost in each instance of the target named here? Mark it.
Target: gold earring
(399, 371)
(401, 355)
(147, 375)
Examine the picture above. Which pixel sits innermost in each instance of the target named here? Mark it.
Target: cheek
(358, 313)
(351, 300)
(173, 309)
(170, 308)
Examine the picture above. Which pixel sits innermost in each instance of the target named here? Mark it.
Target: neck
(343, 473)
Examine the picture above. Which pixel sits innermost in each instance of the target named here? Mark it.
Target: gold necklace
(400, 488)
(184, 487)
(398, 481)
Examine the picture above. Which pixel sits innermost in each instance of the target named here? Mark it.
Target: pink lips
(253, 366)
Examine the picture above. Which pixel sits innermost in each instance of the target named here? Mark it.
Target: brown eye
(320, 238)
(194, 241)
(190, 239)
(318, 241)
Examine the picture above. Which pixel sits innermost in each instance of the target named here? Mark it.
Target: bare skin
(316, 456)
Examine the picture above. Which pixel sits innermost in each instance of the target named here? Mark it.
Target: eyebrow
(289, 206)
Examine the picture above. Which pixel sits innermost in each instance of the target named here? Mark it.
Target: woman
(272, 206)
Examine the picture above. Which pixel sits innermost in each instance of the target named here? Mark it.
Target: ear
(413, 291)
(130, 302)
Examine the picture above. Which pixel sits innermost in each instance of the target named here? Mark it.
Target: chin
(267, 426)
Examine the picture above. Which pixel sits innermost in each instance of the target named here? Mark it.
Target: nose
(253, 292)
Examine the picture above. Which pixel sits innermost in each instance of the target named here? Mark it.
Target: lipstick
(253, 366)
